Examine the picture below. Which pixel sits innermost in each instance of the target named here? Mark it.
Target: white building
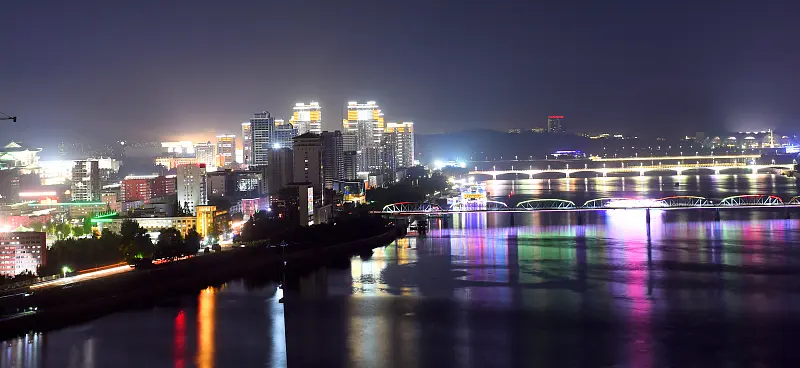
(247, 144)
(261, 125)
(226, 149)
(365, 122)
(402, 143)
(85, 181)
(307, 161)
(191, 183)
(21, 251)
(307, 118)
(178, 148)
(205, 153)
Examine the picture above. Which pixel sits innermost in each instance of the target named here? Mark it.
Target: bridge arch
(752, 200)
(401, 207)
(624, 203)
(546, 204)
(686, 201)
(488, 205)
(794, 200)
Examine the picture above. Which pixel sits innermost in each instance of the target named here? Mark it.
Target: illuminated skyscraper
(85, 181)
(261, 125)
(400, 144)
(247, 144)
(332, 158)
(226, 149)
(307, 161)
(554, 124)
(365, 122)
(191, 183)
(307, 118)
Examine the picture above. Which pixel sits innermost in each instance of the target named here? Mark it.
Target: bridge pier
(788, 214)
(580, 217)
(717, 216)
(511, 222)
(647, 215)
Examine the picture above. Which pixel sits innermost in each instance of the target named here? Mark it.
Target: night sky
(158, 69)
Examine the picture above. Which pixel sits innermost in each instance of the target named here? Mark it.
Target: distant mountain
(482, 143)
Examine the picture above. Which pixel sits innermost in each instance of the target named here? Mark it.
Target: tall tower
(402, 143)
(191, 182)
(85, 181)
(365, 122)
(205, 153)
(226, 149)
(247, 144)
(332, 157)
(307, 118)
(261, 126)
(307, 166)
(554, 124)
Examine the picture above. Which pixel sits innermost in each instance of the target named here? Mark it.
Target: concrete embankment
(73, 303)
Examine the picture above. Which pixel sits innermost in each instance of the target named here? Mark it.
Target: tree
(169, 244)
(142, 246)
(192, 243)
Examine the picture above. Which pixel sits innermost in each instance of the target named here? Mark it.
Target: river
(609, 290)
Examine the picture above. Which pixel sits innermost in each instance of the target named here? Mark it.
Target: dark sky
(146, 69)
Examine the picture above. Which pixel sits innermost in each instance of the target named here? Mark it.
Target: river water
(608, 290)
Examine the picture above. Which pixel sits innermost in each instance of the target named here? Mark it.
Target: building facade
(279, 169)
(191, 182)
(226, 150)
(247, 144)
(350, 165)
(283, 135)
(332, 157)
(307, 160)
(402, 143)
(85, 181)
(235, 184)
(261, 126)
(307, 118)
(206, 153)
(146, 187)
(365, 123)
(21, 252)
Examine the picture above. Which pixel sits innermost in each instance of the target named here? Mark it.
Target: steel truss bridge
(641, 169)
(548, 204)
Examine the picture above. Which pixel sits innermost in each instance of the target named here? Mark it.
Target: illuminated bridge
(548, 204)
(641, 169)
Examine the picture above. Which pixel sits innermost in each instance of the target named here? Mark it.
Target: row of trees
(132, 242)
(64, 229)
(274, 230)
(411, 189)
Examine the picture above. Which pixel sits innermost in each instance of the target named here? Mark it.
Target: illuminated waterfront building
(365, 123)
(226, 149)
(307, 118)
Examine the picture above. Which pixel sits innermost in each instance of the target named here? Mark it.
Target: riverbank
(74, 303)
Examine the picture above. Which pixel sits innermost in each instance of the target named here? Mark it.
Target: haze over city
(149, 70)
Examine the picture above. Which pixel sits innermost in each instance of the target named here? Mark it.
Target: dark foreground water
(685, 291)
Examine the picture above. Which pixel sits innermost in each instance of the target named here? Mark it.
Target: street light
(64, 270)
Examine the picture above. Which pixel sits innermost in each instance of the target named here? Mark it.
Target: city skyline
(608, 70)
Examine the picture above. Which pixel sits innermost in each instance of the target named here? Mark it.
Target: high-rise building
(332, 157)
(86, 181)
(282, 135)
(279, 170)
(205, 153)
(146, 187)
(307, 118)
(307, 160)
(350, 164)
(554, 124)
(191, 182)
(401, 143)
(22, 251)
(261, 126)
(365, 121)
(247, 144)
(226, 149)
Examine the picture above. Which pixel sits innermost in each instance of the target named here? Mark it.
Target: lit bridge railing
(401, 207)
(752, 200)
(546, 204)
(484, 206)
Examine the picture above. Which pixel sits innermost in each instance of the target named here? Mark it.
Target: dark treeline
(412, 189)
(273, 230)
(132, 242)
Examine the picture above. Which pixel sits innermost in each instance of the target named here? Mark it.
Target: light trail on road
(84, 276)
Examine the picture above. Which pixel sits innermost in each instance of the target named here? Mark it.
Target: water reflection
(479, 292)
